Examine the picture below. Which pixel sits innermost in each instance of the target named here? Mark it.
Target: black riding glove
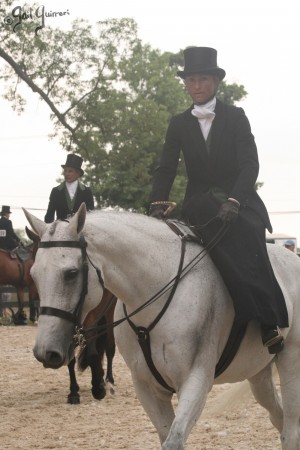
(228, 211)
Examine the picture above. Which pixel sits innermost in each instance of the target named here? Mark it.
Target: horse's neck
(136, 254)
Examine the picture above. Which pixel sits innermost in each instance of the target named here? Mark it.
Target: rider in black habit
(9, 240)
(222, 166)
(66, 198)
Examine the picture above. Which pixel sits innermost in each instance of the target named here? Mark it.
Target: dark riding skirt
(243, 262)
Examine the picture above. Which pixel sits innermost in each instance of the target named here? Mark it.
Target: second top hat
(201, 60)
(5, 210)
(74, 161)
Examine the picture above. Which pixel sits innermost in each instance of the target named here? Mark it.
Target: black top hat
(75, 162)
(5, 210)
(201, 60)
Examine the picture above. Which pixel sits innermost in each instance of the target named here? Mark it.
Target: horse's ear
(38, 225)
(78, 220)
(32, 235)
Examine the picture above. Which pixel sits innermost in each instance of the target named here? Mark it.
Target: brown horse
(93, 353)
(15, 271)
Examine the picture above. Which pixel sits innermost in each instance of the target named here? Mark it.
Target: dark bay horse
(92, 355)
(15, 271)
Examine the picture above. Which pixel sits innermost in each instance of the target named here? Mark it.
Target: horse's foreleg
(264, 391)
(73, 397)
(33, 304)
(157, 404)
(192, 397)
(20, 316)
(20, 296)
(110, 350)
(95, 352)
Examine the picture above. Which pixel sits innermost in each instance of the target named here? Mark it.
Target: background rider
(66, 198)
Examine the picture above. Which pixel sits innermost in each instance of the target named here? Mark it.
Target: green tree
(110, 96)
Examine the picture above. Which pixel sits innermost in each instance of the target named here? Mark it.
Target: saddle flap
(183, 230)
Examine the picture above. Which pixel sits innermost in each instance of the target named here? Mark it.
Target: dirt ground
(34, 413)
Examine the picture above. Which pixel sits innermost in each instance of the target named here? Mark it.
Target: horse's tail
(227, 400)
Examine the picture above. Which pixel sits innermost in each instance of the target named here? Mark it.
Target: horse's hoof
(110, 380)
(99, 393)
(110, 388)
(73, 399)
(32, 322)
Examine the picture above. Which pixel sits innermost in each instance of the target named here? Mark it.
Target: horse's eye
(71, 274)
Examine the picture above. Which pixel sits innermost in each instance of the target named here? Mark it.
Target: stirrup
(272, 337)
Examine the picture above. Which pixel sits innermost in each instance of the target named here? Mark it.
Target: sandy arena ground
(34, 413)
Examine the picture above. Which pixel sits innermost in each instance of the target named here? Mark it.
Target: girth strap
(234, 340)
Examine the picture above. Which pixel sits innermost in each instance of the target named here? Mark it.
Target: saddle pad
(183, 230)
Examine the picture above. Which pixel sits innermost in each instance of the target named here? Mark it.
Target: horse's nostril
(53, 360)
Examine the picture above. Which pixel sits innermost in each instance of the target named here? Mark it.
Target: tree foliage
(110, 96)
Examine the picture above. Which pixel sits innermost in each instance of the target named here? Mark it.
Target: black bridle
(74, 316)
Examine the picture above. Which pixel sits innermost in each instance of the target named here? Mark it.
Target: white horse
(138, 256)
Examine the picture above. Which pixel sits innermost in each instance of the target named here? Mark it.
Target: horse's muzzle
(54, 359)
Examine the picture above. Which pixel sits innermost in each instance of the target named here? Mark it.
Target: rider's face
(71, 174)
(201, 87)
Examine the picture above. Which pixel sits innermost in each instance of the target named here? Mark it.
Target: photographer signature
(19, 15)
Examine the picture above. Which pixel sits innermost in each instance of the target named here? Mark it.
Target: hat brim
(76, 168)
(217, 71)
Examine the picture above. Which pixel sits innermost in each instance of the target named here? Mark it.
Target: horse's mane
(52, 228)
(136, 221)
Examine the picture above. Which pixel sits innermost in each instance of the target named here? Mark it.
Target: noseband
(73, 317)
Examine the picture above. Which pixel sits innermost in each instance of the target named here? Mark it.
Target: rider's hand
(229, 211)
(157, 211)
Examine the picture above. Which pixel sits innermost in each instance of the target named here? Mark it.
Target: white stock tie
(205, 115)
